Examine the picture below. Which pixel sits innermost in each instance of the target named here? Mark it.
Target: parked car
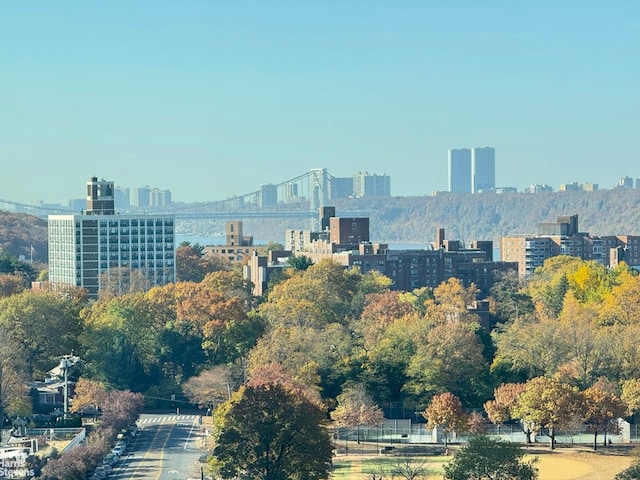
(118, 450)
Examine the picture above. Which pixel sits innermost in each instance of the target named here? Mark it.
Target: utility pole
(65, 364)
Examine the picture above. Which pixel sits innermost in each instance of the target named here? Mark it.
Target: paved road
(167, 448)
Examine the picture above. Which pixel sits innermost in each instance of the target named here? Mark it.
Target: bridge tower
(319, 194)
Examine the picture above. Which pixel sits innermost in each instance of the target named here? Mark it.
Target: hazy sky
(214, 98)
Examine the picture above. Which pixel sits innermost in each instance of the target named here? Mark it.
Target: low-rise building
(563, 237)
(346, 241)
(238, 247)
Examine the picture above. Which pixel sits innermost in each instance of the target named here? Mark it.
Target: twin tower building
(472, 170)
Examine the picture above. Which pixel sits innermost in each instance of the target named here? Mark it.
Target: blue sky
(214, 98)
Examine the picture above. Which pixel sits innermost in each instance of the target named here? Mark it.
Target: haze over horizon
(213, 99)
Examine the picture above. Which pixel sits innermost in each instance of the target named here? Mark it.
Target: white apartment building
(86, 250)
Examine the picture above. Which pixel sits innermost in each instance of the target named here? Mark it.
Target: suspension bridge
(298, 197)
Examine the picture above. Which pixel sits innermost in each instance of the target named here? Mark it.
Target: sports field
(580, 463)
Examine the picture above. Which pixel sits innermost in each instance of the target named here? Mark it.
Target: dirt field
(561, 464)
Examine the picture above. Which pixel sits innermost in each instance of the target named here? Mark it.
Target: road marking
(163, 448)
(193, 426)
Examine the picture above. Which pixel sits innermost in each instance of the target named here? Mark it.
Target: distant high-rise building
(570, 187)
(459, 164)
(367, 184)
(483, 169)
(625, 182)
(290, 193)
(159, 198)
(141, 197)
(268, 195)
(538, 188)
(341, 187)
(122, 198)
(100, 248)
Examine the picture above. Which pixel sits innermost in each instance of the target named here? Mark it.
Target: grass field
(579, 463)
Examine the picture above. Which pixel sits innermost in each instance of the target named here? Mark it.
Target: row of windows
(135, 222)
(136, 231)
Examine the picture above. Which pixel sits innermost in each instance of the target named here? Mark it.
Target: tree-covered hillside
(475, 217)
(19, 232)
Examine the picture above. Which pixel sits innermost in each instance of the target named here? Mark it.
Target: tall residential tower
(460, 170)
(98, 249)
(483, 169)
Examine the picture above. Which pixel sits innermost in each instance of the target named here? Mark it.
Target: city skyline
(206, 98)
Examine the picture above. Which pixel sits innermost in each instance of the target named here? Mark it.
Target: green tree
(11, 265)
(47, 325)
(267, 432)
(299, 262)
(121, 342)
(486, 459)
(450, 360)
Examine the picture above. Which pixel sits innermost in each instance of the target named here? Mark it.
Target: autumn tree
(10, 284)
(230, 284)
(88, 393)
(483, 458)
(500, 409)
(601, 407)
(314, 356)
(385, 360)
(267, 432)
(11, 265)
(585, 345)
(121, 408)
(356, 408)
(631, 395)
(192, 265)
(450, 301)
(549, 284)
(549, 404)
(13, 378)
(591, 282)
(621, 306)
(380, 311)
(210, 387)
(445, 412)
(318, 296)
